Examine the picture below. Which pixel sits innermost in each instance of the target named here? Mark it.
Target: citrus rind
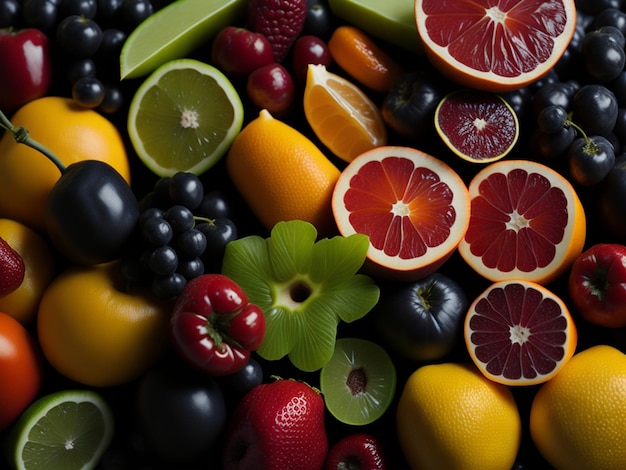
(507, 222)
(186, 113)
(478, 127)
(414, 208)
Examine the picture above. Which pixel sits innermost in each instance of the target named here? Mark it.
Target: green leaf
(281, 334)
(354, 298)
(247, 262)
(337, 259)
(316, 342)
(291, 248)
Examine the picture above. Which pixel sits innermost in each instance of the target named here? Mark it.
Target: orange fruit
(72, 133)
(479, 127)
(413, 207)
(519, 333)
(40, 269)
(92, 332)
(526, 222)
(282, 174)
(577, 419)
(495, 46)
(450, 417)
(363, 59)
(342, 116)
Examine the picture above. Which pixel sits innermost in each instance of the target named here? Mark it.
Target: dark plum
(79, 36)
(594, 108)
(88, 92)
(590, 159)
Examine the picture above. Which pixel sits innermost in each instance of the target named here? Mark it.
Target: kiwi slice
(358, 382)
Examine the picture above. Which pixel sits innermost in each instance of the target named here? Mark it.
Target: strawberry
(277, 425)
(11, 268)
(356, 451)
(281, 21)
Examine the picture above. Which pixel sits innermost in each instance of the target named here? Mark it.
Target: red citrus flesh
(495, 45)
(526, 222)
(413, 207)
(519, 333)
(479, 127)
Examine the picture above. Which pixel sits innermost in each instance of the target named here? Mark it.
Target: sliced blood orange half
(519, 333)
(495, 45)
(526, 222)
(480, 127)
(413, 207)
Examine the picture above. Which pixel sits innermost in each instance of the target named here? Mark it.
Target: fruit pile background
(90, 76)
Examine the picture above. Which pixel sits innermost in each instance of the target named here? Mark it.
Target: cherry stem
(21, 136)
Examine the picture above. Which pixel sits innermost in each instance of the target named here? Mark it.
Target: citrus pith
(519, 333)
(413, 207)
(282, 174)
(495, 46)
(527, 222)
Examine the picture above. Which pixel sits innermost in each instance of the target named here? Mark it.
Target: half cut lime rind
(175, 31)
(184, 117)
(65, 430)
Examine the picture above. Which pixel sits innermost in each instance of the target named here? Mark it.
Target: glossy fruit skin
(356, 451)
(21, 369)
(308, 49)
(91, 212)
(239, 51)
(597, 284)
(26, 67)
(271, 87)
(421, 320)
(590, 160)
(603, 53)
(594, 108)
(409, 106)
(277, 425)
(181, 414)
(213, 326)
(12, 268)
(94, 332)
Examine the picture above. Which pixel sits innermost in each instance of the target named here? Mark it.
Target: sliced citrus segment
(65, 430)
(479, 127)
(527, 222)
(175, 31)
(342, 116)
(495, 45)
(413, 207)
(184, 117)
(519, 333)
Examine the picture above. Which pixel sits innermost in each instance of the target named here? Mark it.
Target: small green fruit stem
(590, 145)
(20, 134)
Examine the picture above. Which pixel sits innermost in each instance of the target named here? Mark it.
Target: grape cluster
(182, 233)
(86, 38)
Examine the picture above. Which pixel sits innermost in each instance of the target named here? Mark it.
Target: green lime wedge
(392, 21)
(175, 31)
(184, 117)
(65, 430)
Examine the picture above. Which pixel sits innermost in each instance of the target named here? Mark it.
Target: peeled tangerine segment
(413, 207)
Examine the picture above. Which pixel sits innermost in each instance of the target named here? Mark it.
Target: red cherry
(309, 49)
(238, 51)
(271, 87)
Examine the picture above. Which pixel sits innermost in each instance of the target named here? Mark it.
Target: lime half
(65, 430)
(184, 117)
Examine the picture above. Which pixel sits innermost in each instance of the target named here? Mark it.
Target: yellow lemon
(578, 418)
(451, 416)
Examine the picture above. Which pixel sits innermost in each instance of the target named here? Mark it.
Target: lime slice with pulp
(65, 430)
(184, 117)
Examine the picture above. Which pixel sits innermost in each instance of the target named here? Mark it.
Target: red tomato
(21, 369)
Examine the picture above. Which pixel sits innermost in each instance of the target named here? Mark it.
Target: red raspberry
(281, 21)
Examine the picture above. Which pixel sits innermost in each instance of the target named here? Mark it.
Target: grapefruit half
(496, 45)
(519, 333)
(413, 207)
(526, 222)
